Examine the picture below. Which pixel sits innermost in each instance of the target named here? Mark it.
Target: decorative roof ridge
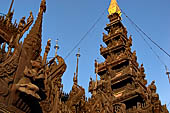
(37, 27)
(35, 33)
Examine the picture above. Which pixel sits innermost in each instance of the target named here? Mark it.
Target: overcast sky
(69, 20)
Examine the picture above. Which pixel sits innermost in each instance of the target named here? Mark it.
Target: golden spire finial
(114, 8)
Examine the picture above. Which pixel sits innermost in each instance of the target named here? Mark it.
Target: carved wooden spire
(43, 6)
(47, 49)
(78, 55)
(35, 33)
(9, 15)
(56, 47)
(76, 74)
(9, 11)
(32, 43)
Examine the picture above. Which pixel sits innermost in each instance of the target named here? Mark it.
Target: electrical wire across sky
(140, 32)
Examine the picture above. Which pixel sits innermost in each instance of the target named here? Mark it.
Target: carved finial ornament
(114, 8)
(76, 74)
(43, 5)
(56, 47)
(9, 11)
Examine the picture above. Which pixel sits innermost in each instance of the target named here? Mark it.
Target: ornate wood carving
(31, 84)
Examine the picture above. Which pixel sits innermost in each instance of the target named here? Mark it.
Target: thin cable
(78, 43)
(161, 61)
(140, 31)
(145, 34)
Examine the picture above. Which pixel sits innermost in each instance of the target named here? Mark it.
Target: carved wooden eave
(119, 78)
(105, 51)
(124, 96)
(122, 76)
(57, 69)
(114, 18)
(103, 67)
(13, 58)
(122, 35)
(8, 72)
(119, 60)
(114, 80)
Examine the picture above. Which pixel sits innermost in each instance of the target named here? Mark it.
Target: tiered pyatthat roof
(122, 85)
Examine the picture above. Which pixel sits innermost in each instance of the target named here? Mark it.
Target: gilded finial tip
(114, 8)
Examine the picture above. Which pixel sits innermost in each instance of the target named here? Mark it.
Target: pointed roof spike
(114, 8)
(56, 47)
(96, 66)
(9, 11)
(43, 6)
(76, 74)
(32, 43)
(96, 71)
(36, 31)
(75, 79)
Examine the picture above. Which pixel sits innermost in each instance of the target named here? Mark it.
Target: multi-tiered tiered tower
(122, 85)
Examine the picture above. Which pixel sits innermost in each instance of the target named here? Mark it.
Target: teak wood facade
(30, 84)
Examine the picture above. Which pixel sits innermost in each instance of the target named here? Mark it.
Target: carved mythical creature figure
(25, 84)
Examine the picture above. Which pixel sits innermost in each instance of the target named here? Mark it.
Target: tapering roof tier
(120, 63)
(115, 22)
(121, 78)
(115, 30)
(118, 49)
